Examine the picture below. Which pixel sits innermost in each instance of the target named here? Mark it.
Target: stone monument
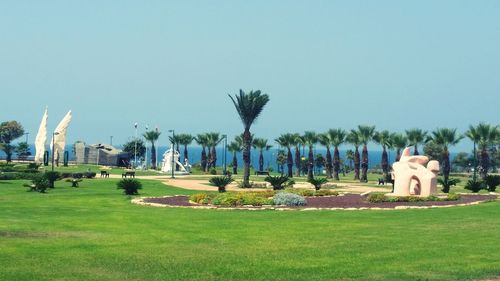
(168, 161)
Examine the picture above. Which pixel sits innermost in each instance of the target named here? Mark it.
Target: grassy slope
(95, 233)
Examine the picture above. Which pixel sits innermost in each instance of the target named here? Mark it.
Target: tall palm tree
(235, 147)
(152, 136)
(249, 106)
(445, 138)
(202, 140)
(383, 138)
(353, 138)
(213, 140)
(399, 142)
(349, 154)
(338, 137)
(297, 142)
(365, 136)
(185, 140)
(261, 145)
(416, 137)
(325, 140)
(485, 135)
(287, 140)
(310, 139)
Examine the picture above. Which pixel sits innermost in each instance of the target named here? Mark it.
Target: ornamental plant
(129, 186)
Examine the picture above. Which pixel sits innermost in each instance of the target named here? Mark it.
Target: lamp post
(135, 146)
(225, 153)
(26, 134)
(475, 162)
(146, 155)
(54, 134)
(172, 153)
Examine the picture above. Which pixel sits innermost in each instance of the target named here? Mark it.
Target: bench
(104, 174)
(261, 173)
(128, 174)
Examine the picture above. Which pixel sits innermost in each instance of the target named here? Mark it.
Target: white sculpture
(411, 177)
(167, 162)
(59, 140)
(41, 138)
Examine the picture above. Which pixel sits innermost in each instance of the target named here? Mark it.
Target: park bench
(128, 174)
(261, 173)
(104, 174)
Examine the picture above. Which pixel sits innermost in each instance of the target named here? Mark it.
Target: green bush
(233, 199)
(213, 171)
(377, 198)
(221, 182)
(447, 184)
(18, 175)
(52, 176)
(129, 186)
(289, 199)
(317, 182)
(474, 185)
(325, 192)
(452, 197)
(380, 198)
(492, 181)
(278, 182)
(39, 183)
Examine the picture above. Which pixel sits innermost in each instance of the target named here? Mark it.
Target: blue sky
(325, 64)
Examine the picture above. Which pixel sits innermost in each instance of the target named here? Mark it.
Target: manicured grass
(95, 233)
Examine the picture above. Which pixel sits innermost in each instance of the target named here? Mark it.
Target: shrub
(447, 184)
(492, 181)
(201, 198)
(233, 199)
(89, 175)
(52, 176)
(77, 175)
(39, 183)
(213, 171)
(277, 182)
(129, 186)
(380, 198)
(452, 197)
(289, 199)
(325, 192)
(221, 182)
(18, 175)
(474, 185)
(33, 166)
(317, 182)
(377, 198)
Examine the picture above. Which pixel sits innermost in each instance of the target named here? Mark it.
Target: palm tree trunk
(289, 163)
(209, 159)
(485, 163)
(203, 159)
(297, 161)
(336, 163)
(398, 154)
(446, 165)
(247, 144)
(153, 155)
(310, 164)
(329, 164)
(185, 153)
(261, 161)
(415, 150)
(364, 164)
(235, 164)
(385, 163)
(356, 164)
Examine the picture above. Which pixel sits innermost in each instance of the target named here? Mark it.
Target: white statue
(411, 177)
(41, 138)
(59, 140)
(167, 162)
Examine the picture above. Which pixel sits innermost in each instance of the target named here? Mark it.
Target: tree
(353, 138)
(338, 137)
(22, 150)
(462, 160)
(399, 142)
(325, 140)
(249, 106)
(350, 156)
(366, 134)
(235, 147)
(310, 139)
(213, 140)
(9, 131)
(383, 138)
(433, 150)
(202, 140)
(185, 140)
(486, 136)
(261, 145)
(288, 140)
(281, 160)
(416, 137)
(152, 136)
(129, 147)
(445, 137)
(297, 142)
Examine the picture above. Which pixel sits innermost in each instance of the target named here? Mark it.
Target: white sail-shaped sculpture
(59, 140)
(41, 139)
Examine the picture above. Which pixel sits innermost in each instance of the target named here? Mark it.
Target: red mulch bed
(346, 201)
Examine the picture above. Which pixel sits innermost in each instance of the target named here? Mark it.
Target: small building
(108, 155)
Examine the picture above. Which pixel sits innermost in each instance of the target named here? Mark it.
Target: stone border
(140, 201)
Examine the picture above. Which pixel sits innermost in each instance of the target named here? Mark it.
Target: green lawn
(95, 233)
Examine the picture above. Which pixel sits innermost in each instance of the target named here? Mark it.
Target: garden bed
(346, 201)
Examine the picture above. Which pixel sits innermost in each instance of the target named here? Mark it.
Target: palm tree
(261, 145)
(445, 138)
(297, 142)
(353, 138)
(287, 140)
(249, 106)
(202, 140)
(399, 142)
(349, 154)
(213, 140)
(384, 139)
(152, 136)
(185, 140)
(365, 136)
(485, 135)
(416, 137)
(325, 140)
(338, 137)
(235, 147)
(310, 139)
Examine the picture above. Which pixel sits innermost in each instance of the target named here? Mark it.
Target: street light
(54, 134)
(135, 146)
(225, 153)
(172, 152)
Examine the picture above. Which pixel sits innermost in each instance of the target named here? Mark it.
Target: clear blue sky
(325, 64)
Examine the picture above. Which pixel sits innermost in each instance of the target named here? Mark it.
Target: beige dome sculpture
(411, 177)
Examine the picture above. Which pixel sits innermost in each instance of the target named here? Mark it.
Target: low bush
(221, 182)
(492, 181)
(89, 175)
(129, 186)
(278, 182)
(233, 199)
(213, 171)
(52, 176)
(447, 183)
(380, 198)
(39, 183)
(474, 185)
(377, 198)
(317, 182)
(289, 199)
(325, 192)
(18, 175)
